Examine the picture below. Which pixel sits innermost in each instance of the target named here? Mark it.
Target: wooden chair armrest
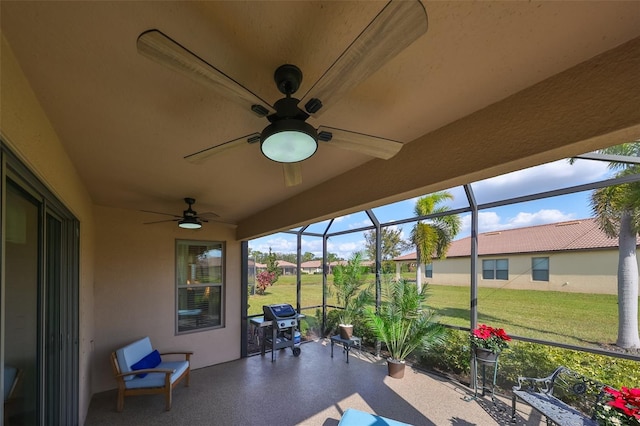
(146, 370)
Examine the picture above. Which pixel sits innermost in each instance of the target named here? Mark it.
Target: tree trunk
(628, 336)
(418, 271)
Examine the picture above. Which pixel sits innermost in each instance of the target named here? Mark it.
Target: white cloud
(541, 217)
(546, 177)
(490, 221)
(361, 224)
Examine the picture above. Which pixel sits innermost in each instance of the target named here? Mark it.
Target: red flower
(625, 400)
(487, 337)
(501, 334)
(482, 333)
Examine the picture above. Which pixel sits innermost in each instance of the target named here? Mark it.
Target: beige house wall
(127, 269)
(27, 131)
(135, 290)
(593, 271)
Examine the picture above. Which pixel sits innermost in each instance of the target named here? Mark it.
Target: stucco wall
(26, 129)
(579, 272)
(135, 290)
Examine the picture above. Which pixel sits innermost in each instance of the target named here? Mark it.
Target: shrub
(531, 360)
(264, 279)
(451, 355)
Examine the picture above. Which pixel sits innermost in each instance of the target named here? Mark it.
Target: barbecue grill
(284, 321)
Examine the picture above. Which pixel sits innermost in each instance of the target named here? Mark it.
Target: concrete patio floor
(312, 389)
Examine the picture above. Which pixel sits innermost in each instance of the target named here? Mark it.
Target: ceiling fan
(288, 138)
(189, 218)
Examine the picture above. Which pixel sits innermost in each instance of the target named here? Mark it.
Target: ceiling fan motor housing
(288, 78)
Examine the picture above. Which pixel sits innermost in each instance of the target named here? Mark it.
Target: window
(540, 268)
(495, 269)
(199, 282)
(428, 270)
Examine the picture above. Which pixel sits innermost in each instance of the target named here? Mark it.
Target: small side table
(346, 344)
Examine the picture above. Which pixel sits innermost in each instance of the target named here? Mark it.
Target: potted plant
(487, 342)
(402, 324)
(351, 292)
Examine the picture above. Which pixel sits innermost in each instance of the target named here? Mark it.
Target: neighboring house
(574, 256)
(311, 267)
(286, 268)
(315, 266)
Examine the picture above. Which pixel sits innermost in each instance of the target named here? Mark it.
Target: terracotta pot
(486, 356)
(346, 331)
(396, 368)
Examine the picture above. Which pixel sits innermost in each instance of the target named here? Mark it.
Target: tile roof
(582, 234)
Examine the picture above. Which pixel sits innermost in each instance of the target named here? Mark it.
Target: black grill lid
(278, 311)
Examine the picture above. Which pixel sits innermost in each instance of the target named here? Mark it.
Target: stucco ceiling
(127, 122)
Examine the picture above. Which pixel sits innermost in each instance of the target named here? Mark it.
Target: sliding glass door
(39, 303)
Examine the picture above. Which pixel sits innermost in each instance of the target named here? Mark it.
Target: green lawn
(573, 318)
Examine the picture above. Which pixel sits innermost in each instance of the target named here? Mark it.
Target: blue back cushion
(150, 361)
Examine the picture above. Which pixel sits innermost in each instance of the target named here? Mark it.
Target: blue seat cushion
(353, 417)
(156, 380)
(151, 360)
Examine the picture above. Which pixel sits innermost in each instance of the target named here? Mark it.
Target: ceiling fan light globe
(289, 141)
(190, 223)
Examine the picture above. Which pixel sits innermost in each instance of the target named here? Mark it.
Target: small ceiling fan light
(190, 223)
(289, 141)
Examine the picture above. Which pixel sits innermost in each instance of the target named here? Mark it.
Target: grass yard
(573, 318)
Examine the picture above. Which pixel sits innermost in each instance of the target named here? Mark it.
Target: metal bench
(564, 398)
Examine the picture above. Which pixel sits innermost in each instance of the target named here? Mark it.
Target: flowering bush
(619, 407)
(264, 279)
(486, 337)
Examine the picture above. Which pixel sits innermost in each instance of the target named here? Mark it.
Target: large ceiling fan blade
(365, 144)
(160, 48)
(398, 25)
(208, 215)
(292, 174)
(200, 156)
(166, 214)
(161, 221)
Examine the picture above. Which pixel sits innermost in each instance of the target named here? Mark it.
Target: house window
(540, 268)
(428, 270)
(495, 269)
(199, 284)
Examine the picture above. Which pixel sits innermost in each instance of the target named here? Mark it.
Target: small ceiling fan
(288, 138)
(189, 219)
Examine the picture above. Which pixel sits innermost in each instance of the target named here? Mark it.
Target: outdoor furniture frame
(346, 344)
(563, 397)
(12, 376)
(159, 380)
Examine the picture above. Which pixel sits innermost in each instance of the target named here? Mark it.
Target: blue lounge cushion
(152, 360)
(156, 380)
(353, 417)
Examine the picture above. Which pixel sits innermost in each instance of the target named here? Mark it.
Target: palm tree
(434, 236)
(352, 291)
(617, 211)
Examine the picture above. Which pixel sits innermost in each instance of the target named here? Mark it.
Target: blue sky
(546, 177)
